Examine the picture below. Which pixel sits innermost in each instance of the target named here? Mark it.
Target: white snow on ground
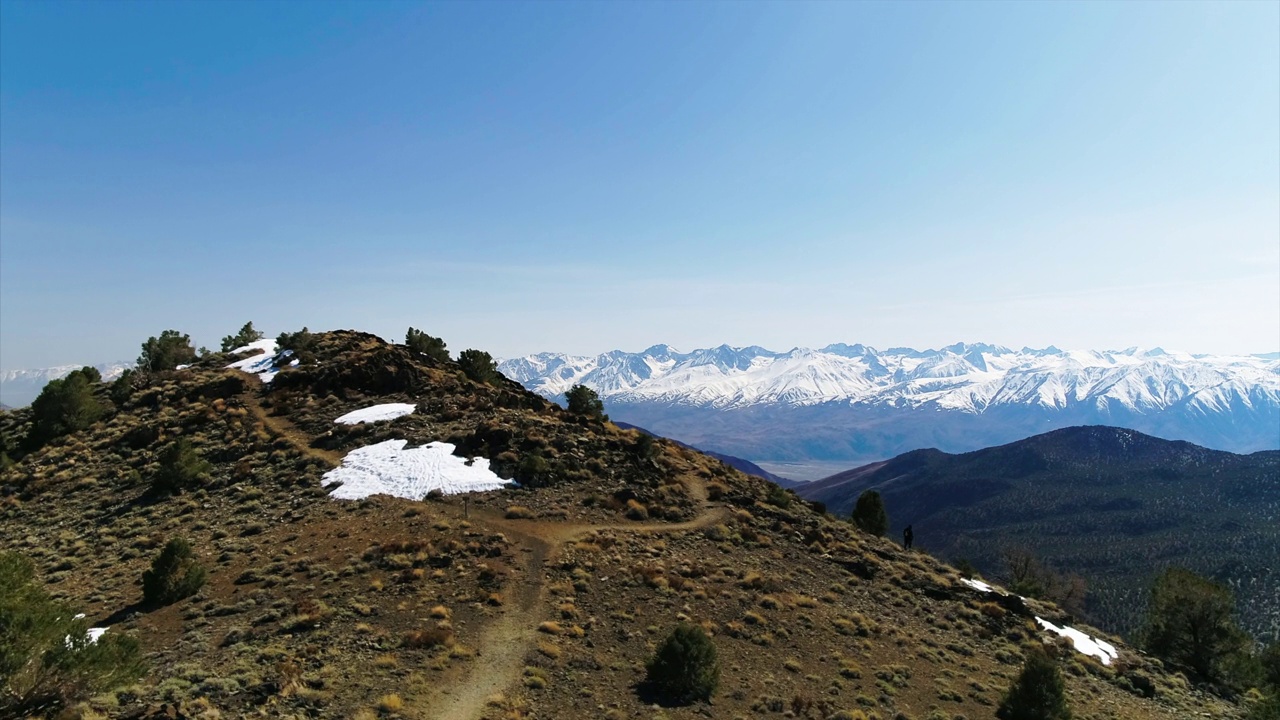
(1084, 643)
(977, 585)
(92, 633)
(388, 468)
(264, 364)
(377, 413)
(1105, 652)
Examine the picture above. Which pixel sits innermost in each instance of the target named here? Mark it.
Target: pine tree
(174, 575)
(684, 668)
(479, 366)
(166, 352)
(432, 347)
(64, 406)
(181, 468)
(246, 336)
(1037, 693)
(869, 513)
(46, 658)
(1191, 621)
(582, 400)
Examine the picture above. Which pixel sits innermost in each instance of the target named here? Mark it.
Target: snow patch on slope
(376, 413)
(389, 468)
(266, 364)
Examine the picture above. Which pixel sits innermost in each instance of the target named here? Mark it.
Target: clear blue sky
(583, 177)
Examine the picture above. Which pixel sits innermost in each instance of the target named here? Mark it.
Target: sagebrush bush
(181, 468)
(175, 574)
(684, 668)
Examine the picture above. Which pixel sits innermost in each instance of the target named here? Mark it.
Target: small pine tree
(166, 352)
(246, 335)
(869, 514)
(432, 347)
(302, 343)
(684, 668)
(479, 366)
(174, 575)
(1038, 692)
(64, 406)
(46, 658)
(1191, 622)
(181, 468)
(582, 400)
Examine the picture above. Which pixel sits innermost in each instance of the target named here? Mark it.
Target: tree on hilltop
(246, 336)
(582, 400)
(432, 347)
(166, 352)
(64, 406)
(479, 366)
(869, 513)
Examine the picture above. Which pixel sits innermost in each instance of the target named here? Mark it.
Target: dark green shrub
(432, 347)
(479, 366)
(46, 658)
(1191, 622)
(533, 471)
(246, 335)
(582, 400)
(64, 406)
(869, 514)
(181, 468)
(174, 575)
(684, 668)
(1038, 692)
(122, 388)
(778, 497)
(166, 352)
(302, 343)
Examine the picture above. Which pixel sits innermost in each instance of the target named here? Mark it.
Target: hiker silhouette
(907, 537)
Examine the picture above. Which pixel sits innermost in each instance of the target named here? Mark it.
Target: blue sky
(582, 177)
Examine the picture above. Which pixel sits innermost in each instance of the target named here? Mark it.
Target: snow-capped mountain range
(1229, 402)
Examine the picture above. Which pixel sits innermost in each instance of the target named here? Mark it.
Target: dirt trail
(503, 645)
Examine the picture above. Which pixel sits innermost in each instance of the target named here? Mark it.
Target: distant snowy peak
(965, 377)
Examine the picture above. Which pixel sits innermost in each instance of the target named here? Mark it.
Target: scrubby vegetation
(545, 600)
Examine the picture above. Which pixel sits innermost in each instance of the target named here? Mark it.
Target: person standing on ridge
(907, 537)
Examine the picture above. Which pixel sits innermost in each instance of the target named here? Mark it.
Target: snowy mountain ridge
(969, 378)
(20, 387)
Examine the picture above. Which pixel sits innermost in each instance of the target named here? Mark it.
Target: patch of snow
(181, 367)
(265, 362)
(389, 468)
(1084, 643)
(977, 585)
(92, 634)
(377, 413)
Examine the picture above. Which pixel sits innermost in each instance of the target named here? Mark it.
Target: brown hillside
(538, 602)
